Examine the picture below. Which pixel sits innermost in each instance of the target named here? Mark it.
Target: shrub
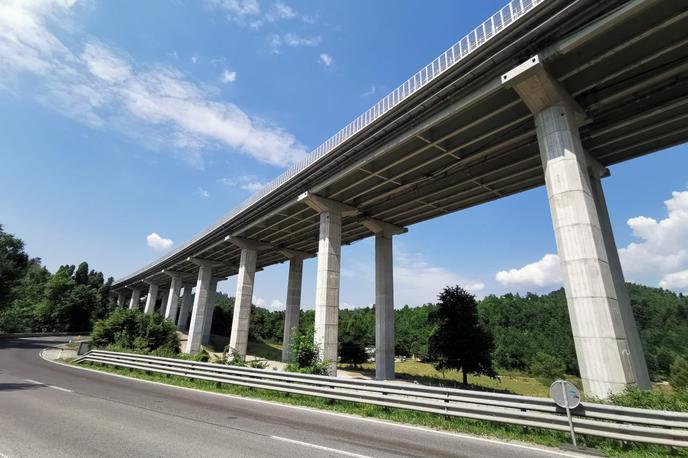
(131, 329)
(679, 374)
(305, 355)
(352, 353)
(547, 366)
(634, 397)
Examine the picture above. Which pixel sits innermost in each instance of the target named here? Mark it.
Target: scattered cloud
(416, 281)
(276, 304)
(326, 59)
(292, 40)
(249, 12)
(542, 273)
(370, 92)
(237, 9)
(284, 11)
(228, 76)
(246, 182)
(677, 281)
(258, 301)
(203, 193)
(102, 87)
(194, 59)
(659, 258)
(158, 243)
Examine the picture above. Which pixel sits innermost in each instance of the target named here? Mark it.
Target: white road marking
(36, 382)
(319, 447)
(2, 455)
(59, 388)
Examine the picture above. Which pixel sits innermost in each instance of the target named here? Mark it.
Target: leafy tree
(132, 329)
(459, 340)
(305, 355)
(547, 366)
(352, 352)
(13, 264)
(679, 373)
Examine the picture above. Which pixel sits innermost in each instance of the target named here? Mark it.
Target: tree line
(32, 299)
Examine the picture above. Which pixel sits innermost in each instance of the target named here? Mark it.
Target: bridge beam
(238, 339)
(384, 295)
(328, 277)
(610, 356)
(200, 305)
(293, 303)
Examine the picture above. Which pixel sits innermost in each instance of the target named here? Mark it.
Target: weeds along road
(52, 410)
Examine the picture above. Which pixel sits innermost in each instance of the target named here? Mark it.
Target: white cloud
(659, 258)
(194, 59)
(542, 273)
(100, 87)
(238, 8)
(663, 248)
(284, 11)
(258, 301)
(292, 40)
(326, 59)
(158, 243)
(245, 182)
(416, 281)
(276, 304)
(370, 92)
(228, 76)
(677, 281)
(203, 193)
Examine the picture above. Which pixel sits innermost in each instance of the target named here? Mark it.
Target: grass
(440, 422)
(272, 352)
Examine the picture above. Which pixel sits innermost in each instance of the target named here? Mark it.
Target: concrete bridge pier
(121, 298)
(238, 340)
(173, 296)
(163, 301)
(135, 297)
(187, 303)
(604, 332)
(212, 298)
(151, 298)
(200, 305)
(293, 303)
(384, 296)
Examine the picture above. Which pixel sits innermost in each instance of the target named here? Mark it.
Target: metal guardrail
(613, 422)
(495, 24)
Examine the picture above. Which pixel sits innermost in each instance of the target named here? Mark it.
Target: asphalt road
(52, 410)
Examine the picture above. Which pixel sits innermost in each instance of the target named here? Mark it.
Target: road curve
(52, 410)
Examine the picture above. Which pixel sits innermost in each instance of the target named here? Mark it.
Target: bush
(634, 397)
(305, 355)
(547, 366)
(352, 353)
(131, 329)
(679, 374)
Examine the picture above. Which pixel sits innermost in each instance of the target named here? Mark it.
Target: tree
(13, 264)
(679, 373)
(459, 340)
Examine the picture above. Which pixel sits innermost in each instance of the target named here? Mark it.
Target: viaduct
(546, 92)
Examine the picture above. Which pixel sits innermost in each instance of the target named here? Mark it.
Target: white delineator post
(384, 296)
(205, 274)
(608, 352)
(293, 304)
(151, 298)
(121, 298)
(187, 303)
(173, 295)
(135, 297)
(212, 298)
(328, 277)
(238, 339)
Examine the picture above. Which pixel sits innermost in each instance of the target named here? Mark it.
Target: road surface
(52, 410)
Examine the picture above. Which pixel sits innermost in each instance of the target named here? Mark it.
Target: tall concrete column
(293, 304)
(173, 296)
(135, 298)
(187, 304)
(327, 282)
(384, 296)
(193, 344)
(606, 350)
(163, 301)
(151, 298)
(121, 298)
(238, 340)
(624, 301)
(212, 298)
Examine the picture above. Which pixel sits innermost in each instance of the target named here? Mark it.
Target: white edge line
(35, 382)
(319, 447)
(59, 388)
(543, 449)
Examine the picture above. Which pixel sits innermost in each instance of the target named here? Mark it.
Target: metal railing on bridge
(613, 422)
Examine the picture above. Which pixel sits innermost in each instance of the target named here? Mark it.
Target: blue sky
(120, 120)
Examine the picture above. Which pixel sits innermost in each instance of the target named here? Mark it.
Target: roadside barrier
(602, 420)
